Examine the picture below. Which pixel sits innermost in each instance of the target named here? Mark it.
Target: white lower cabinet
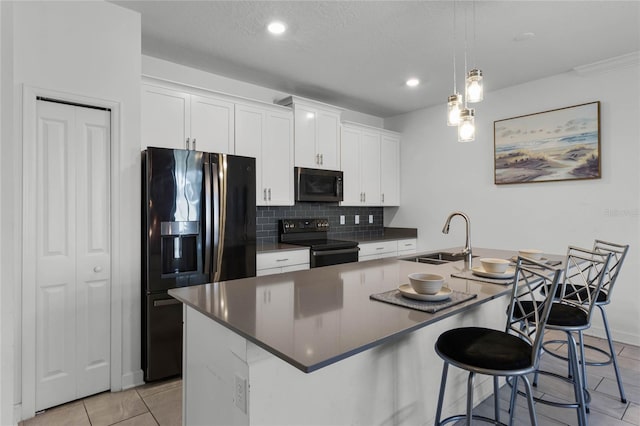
(388, 248)
(378, 250)
(407, 246)
(279, 261)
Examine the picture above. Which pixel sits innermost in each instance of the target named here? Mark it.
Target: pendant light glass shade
(473, 89)
(454, 105)
(467, 126)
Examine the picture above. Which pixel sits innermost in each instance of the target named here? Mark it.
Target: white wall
(89, 49)
(440, 175)
(176, 73)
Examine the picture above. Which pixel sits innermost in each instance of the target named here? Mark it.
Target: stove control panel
(288, 226)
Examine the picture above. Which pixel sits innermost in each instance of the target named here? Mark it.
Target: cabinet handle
(188, 143)
(264, 196)
(321, 158)
(317, 158)
(382, 198)
(193, 144)
(97, 269)
(364, 197)
(282, 260)
(379, 248)
(269, 194)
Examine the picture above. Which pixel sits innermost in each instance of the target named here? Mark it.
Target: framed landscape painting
(561, 144)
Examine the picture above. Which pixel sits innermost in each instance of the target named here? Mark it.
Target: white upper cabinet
(316, 133)
(212, 124)
(390, 169)
(369, 161)
(180, 120)
(165, 117)
(266, 133)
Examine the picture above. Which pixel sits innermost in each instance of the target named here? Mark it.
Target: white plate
(408, 291)
(479, 271)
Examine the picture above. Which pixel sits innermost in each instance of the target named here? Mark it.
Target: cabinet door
(328, 140)
(390, 170)
(370, 167)
(212, 124)
(350, 165)
(164, 117)
(277, 158)
(249, 123)
(305, 137)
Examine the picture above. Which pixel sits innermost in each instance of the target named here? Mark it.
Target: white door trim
(29, 131)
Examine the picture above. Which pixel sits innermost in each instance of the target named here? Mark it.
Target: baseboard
(17, 413)
(132, 379)
(617, 336)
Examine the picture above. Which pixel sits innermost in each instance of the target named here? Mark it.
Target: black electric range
(313, 233)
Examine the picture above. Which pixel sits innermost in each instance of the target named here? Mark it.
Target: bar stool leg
(614, 358)
(470, 397)
(532, 413)
(577, 380)
(512, 400)
(583, 366)
(443, 382)
(496, 399)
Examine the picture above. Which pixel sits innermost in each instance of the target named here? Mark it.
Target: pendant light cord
(466, 69)
(454, 47)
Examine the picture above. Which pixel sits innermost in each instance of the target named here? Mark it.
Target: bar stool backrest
(618, 254)
(529, 308)
(584, 275)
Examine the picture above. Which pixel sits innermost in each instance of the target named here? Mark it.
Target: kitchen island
(311, 347)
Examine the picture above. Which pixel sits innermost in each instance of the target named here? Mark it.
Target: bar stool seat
(485, 349)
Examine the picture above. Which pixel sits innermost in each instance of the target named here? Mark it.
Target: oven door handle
(333, 252)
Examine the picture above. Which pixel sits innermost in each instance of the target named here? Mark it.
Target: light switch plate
(370, 218)
(341, 219)
(357, 219)
(241, 393)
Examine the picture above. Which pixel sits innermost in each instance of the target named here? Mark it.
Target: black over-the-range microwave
(318, 185)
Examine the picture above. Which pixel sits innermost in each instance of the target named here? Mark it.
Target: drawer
(380, 247)
(281, 258)
(407, 246)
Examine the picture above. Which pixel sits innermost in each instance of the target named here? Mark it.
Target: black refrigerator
(199, 226)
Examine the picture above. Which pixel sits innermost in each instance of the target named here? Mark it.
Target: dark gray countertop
(316, 317)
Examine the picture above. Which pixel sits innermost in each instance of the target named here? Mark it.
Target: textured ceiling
(358, 54)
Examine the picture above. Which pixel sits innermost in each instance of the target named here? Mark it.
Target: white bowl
(426, 283)
(497, 266)
(531, 253)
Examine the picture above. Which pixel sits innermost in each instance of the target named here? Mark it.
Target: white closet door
(73, 256)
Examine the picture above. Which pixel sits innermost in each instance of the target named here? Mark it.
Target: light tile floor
(161, 403)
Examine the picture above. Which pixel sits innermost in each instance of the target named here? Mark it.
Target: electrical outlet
(341, 219)
(241, 393)
(357, 219)
(370, 218)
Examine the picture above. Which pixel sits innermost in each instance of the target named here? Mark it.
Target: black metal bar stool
(509, 353)
(603, 298)
(574, 299)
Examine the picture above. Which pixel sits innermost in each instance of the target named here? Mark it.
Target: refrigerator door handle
(214, 201)
(207, 218)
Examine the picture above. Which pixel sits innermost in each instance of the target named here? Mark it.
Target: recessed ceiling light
(277, 27)
(524, 36)
(413, 82)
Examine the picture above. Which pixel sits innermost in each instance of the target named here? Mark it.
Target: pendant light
(467, 126)
(458, 113)
(473, 85)
(454, 102)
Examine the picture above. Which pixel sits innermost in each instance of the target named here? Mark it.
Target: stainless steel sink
(437, 258)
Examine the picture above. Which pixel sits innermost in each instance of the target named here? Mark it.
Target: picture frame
(556, 145)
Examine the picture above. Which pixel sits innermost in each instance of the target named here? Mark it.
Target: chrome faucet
(467, 245)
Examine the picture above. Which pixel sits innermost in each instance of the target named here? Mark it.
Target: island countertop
(316, 317)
